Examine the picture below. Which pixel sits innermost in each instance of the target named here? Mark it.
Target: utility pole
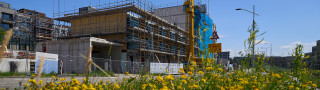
(253, 31)
(254, 37)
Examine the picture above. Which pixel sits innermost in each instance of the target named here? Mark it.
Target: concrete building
(7, 16)
(223, 58)
(29, 27)
(314, 60)
(42, 26)
(143, 34)
(146, 37)
(69, 51)
(23, 36)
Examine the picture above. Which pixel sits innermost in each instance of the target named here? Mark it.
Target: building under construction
(147, 34)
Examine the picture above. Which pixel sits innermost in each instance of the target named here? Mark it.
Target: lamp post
(253, 30)
(270, 48)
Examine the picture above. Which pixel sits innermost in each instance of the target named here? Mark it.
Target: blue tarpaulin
(203, 29)
(50, 65)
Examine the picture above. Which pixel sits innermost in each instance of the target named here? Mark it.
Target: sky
(286, 22)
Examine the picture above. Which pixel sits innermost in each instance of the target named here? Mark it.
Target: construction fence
(116, 66)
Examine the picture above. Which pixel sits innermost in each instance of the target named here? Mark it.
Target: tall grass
(39, 69)
(5, 42)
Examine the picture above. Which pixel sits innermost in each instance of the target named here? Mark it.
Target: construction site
(125, 36)
(144, 33)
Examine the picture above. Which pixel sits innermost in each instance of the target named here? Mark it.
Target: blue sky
(287, 22)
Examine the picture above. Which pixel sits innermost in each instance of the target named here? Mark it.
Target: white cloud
(234, 53)
(222, 36)
(307, 47)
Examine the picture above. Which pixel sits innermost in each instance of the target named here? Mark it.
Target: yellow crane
(189, 9)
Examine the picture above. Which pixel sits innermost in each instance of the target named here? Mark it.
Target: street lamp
(253, 30)
(270, 48)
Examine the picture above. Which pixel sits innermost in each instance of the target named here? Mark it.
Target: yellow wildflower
(190, 73)
(203, 80)
(195, 86)
(26, 84)
(276, 75)
(209, 68)
(84, 86)
(184, 76)
(159, 78)
(314, 85)
(91, 88)
(181, 71)
(40, 82)
(304, 86)
(144, 86)
(60, 88)
(221, 88)
(291, 87)
(169, 77)
(152, 86)
(164, 88)
(74, 88)
(127, 73)
(184, 81)
(220, 69)
(33, 81)
(200, 72)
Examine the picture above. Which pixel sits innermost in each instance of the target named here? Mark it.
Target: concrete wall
(69, 52)
(173, 15)
(22, 65)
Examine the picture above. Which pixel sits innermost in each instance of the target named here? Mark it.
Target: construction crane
(189, 9)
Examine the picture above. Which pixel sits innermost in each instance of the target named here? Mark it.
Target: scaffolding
(146, 36)
(132, 23)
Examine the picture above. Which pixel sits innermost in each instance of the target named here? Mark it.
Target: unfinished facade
(146, 37)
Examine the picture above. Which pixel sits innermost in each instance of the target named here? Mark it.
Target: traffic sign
(214, 35)
(214, 48)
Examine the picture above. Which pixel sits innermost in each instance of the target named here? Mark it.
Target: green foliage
(6, 74)
(299, 69)
(100, 73)
(249, 45)
(298, 64)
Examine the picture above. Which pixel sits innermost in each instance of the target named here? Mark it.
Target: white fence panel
(172, 68)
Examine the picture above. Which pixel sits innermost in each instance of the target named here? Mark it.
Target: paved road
(14, 82)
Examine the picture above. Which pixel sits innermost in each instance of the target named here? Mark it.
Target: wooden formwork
(99, 24)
